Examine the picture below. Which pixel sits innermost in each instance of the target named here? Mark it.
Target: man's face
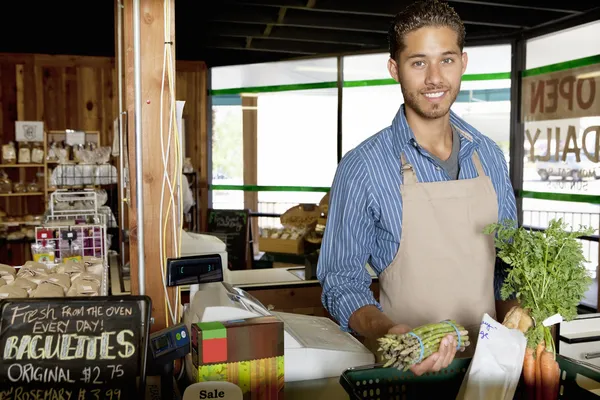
(429, 70)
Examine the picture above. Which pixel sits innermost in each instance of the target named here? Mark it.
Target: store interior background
(266, 133)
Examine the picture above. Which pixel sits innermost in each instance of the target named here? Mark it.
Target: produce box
(248, 353)
(376, 382)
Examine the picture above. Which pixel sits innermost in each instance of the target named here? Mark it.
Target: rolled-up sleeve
(348, 242)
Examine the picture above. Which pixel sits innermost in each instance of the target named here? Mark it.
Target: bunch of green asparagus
(405, 349)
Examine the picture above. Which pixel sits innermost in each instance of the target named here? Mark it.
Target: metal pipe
(121, 149)
(139, 173)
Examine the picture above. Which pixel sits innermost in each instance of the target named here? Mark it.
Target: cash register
(314, 347)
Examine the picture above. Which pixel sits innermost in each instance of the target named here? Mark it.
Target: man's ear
(393, 69)
(465, 61)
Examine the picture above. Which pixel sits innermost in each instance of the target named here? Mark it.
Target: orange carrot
(550, 376)
(529, 374)
(538, 371)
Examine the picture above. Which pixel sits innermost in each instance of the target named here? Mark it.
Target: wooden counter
(279, 289)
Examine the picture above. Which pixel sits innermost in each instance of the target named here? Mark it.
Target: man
(412, 201)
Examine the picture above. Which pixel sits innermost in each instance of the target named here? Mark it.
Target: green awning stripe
(275, 88)
(578, 198)
(562, 66)
(347, 84)
(256, 188)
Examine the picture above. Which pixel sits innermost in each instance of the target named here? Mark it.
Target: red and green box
(248, 353)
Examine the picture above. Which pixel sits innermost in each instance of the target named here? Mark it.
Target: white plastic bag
(496, 367)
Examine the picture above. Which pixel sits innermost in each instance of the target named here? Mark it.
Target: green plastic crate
(373, 382)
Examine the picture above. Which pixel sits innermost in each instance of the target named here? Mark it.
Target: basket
(374, 382)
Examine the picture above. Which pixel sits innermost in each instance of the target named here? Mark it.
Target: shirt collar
(404, 136)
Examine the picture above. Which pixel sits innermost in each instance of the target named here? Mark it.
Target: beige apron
(444, 267)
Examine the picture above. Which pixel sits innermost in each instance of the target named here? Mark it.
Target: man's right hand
(438, 360)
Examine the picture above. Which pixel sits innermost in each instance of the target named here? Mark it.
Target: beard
(427, 110)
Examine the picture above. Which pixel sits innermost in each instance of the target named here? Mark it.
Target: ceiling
(249, 31)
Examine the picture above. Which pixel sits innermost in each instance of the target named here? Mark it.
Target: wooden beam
(250, 137)
(152, 21)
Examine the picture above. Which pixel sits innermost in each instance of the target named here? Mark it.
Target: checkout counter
(316, 351)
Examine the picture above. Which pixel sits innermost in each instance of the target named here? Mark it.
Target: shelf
(22, 194)
(21, 165)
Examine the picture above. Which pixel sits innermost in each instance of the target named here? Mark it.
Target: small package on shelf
(5, 183)
(9, 153)
(24, 153)
(37, 153)
(70, 251)
(43, 252)
(19, 187)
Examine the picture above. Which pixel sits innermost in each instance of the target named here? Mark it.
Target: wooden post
(152, 26)
(250, 129)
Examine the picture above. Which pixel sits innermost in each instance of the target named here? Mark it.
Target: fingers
(426, 365)
(437, 361)
(452, 343)
(446, 354)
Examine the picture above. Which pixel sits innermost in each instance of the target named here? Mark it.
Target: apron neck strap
(477, 163)
(408, 171)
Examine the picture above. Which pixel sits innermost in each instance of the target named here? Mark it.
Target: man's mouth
(433, 96)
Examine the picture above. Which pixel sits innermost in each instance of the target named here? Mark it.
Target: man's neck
(434, 135)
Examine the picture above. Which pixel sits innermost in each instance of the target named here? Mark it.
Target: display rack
(82, 231)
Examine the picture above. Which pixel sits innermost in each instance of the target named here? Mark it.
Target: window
(227, 151)
(561, 115)
(295, 129)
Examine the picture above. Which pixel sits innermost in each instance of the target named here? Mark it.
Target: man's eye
(448, 61)
(418, 63)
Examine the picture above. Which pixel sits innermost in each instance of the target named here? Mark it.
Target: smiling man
(412, 201)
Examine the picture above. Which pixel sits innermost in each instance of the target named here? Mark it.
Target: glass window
(274, 74)
(227, 151)
(296, 117)
(297, 143)
(561, 115)
(569, 44)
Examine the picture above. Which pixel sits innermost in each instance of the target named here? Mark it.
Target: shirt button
(438, 168)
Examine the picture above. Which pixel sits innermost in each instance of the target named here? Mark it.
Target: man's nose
(433, 75)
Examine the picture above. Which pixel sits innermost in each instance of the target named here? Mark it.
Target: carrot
(529, 374)
(550, 376)
(538, 371)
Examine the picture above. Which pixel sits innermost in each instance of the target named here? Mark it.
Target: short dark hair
(421, 14)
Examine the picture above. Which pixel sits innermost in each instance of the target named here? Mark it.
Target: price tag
(69, 235)
(553, 320)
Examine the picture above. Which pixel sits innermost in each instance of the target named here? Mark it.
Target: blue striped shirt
(364, 223)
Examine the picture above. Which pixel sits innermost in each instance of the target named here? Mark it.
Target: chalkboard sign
(235, 224)
(75, 348)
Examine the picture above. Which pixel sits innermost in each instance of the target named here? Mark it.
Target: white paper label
(75, 137)
(29, 131)
(553, 320)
